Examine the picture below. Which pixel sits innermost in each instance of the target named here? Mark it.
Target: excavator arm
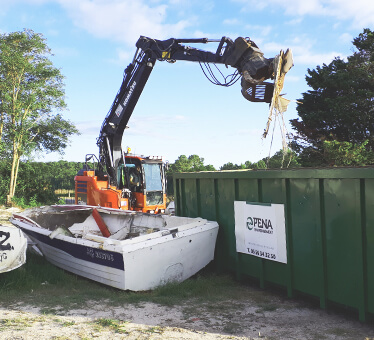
(241, 54)
(109, 141)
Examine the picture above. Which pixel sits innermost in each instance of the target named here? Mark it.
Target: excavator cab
(141, 185)
(143, 180)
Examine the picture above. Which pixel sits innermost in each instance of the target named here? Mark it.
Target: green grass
(16, 324)
(52, 289)
(37, 278)
(114, 325)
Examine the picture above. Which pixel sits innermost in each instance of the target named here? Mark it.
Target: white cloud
(292, 79)
(360, 12)
(65, 51)
(251, 5)
(293, 7)
(303, 51)
(345, 38)
(234, 21)
(316, 58)
(88, 128)
(122, 20)
(272, 47)
(295, 21)
(30, 2)
(259, 30)
(297, 7)
(201, 34)
(123, 56)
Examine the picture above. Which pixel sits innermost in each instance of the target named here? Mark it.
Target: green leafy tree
(231, 166)
(340, 106)
(261, 164)
(189, 164)
(31, 99)
(347, 154)
(39, 180)
(280, 159)
(4, 180)
(248, 165)
(283, 159)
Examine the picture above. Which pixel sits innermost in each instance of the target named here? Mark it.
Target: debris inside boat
(13, 246)
(124, 249)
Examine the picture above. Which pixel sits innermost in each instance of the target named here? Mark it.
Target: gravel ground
(6, 213)
(225, 320)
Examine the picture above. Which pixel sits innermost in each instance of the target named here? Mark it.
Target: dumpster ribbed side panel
(248, 190)
(208, 199)
(343, 235)
(273, 191)
(369, 244)
(225, 197)
(307, 259)
(329, 216)
(190, 196)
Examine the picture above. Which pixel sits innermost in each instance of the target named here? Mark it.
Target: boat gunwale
(112, 244)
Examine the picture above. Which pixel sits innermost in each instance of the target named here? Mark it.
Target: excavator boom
(242, 54)
(126, 181)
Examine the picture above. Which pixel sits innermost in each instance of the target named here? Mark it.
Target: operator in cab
(135, 178)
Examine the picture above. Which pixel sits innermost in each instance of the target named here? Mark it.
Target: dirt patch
(6, 213)
(278, 318)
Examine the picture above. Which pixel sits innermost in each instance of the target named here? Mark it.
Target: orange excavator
(119, 179)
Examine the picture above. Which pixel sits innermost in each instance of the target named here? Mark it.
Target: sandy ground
(6, 213)
(241, 320)
(279, 318)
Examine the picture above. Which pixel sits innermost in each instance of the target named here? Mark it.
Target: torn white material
(283, 63)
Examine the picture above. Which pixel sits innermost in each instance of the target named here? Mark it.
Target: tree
(261, 164)
(191, 164)
(340, 106)
(282, 159)
(231, 166)
(347, 154)
(31, 98)
(39, 181)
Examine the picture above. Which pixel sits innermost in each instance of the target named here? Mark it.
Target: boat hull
(83, 258)
(140, 263)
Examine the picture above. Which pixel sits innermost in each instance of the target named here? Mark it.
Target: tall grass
(41, 283)
(31, 276)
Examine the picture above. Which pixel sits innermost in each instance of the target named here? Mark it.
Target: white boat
(13, 244)
(139, 252)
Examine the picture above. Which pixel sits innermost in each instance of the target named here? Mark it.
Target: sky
(180, 112)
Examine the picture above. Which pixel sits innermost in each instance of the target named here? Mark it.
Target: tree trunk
(13, 175)
(16, 175)
(8, 201)
(1, 124)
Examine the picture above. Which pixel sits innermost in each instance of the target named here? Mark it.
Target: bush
(38, 181)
